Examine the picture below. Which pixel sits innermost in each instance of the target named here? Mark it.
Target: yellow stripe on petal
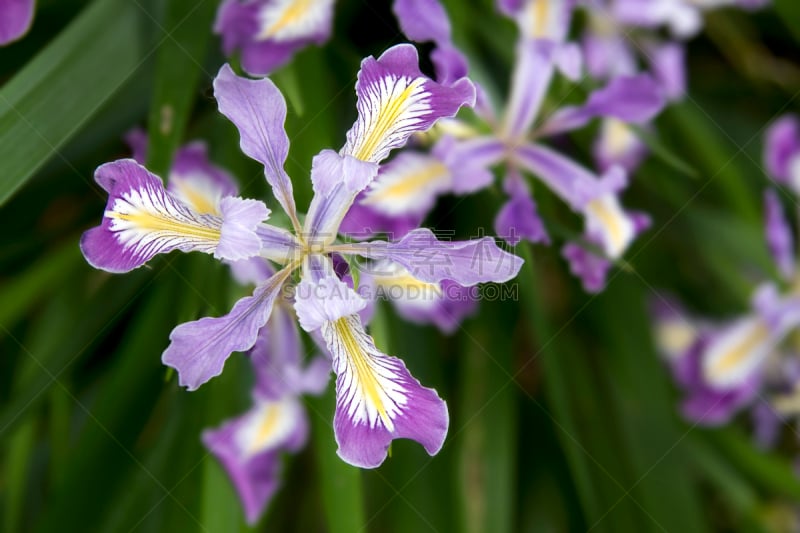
(604, 215)
(370, 392)
(747, 344)
(268, 425)
(404, 187)
(284, 20)
(148, 220)
(388, 113)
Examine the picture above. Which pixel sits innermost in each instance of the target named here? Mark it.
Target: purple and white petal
(632, 99)
(256, 479)
(198, 350)
(143, 219)
(269, 32)
(377, 399)
(518, 218)
(278, 244)
(430, 259)
(569, 61)
(542, 19)
(396, 100)
(533, 72)
(16, 17)
(779, 234)
(782, 151)
(704, 404)
(337, 180)
(324, 300)
(574, 184)
(408, 184)
(238, 237)
(364, 222)
(258, 110)
(445, 304)
(618, 144)
(198, 182)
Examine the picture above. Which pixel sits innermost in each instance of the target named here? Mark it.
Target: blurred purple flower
(16, 17)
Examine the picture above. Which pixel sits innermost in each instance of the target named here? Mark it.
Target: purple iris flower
(267, 33)
(377, 398)
(461, 161)
(16, 17)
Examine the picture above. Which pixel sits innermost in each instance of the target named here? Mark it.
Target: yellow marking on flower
(619, 136)
(741, 350)
(293, 13)
(409, 185)
(199, 201)
(364, 373)
(407, 282)
(267, 426)
(539, 12)
(149, 222)
(675, 337)
(598, 209)
(387, 116)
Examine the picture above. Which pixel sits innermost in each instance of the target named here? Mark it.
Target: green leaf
(54, 95)
(342, 495)
(37, 281)
(488, 416)
(185, 33)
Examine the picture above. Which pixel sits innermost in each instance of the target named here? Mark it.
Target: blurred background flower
(568, 411)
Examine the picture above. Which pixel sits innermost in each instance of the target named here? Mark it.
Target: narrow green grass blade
(114, 420)
(768, 471)
(37, 281)
(717, 160)
(341, 486)
(789, 11)
(48, 102)
(656, 447)
(186, 30)
(488, 423)
(220, 506)
(17, 463)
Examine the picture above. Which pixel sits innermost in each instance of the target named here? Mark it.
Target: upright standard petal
(533, 73)
(377, 399)
(779, 235)
(258, 110)
(16, 17)
(198, 350)
(396, 100)
(326, 299)
(429, 259)
(143, 219)
(618, 144)
(541, 19)
(337, 180)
